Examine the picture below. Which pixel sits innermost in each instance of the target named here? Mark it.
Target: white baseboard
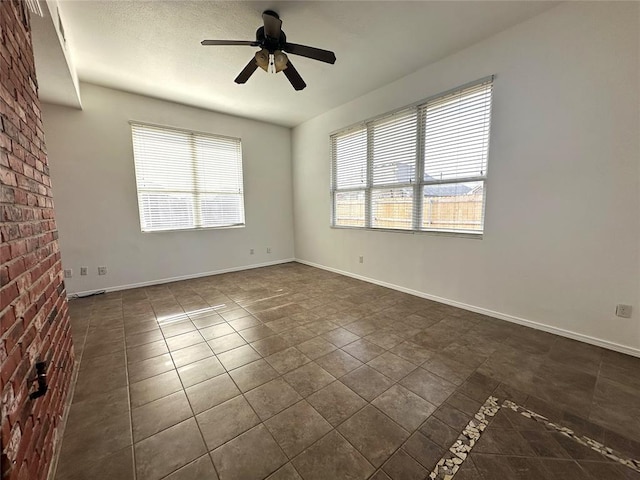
(502, 316)
(182, 277)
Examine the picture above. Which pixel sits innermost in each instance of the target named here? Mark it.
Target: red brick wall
(34, 319)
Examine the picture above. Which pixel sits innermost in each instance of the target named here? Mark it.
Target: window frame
(197, 212)
(420, 183)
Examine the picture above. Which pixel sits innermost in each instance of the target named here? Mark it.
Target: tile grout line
(595, 387)
(126, 369)
(184, 390)
(582, 440)
(261, 422)
(453, 458)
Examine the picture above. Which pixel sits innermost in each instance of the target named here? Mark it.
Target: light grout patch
(582, 440)
(453, 459)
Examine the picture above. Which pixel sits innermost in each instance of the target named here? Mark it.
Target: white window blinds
(350, 177)
(187, 180)
(421, 168)
(456, 134)
(393, 142)
(351, 152)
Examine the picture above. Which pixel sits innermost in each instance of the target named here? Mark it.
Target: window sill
(438, 233)
(226, 227)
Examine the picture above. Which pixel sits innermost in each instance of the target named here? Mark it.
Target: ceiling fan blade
(294, 77)
(310, 52)
(250, 43)
(272, 24)
(247, 71)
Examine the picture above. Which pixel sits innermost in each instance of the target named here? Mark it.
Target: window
(422, 168)
(187, 180)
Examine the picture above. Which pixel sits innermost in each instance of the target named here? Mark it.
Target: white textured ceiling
(153, 48)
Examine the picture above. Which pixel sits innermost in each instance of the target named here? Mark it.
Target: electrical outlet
(251, 251)
(268, 249)
(102, 270)
(84, 271)
(623, 311)
(68, 273)
(361, 259)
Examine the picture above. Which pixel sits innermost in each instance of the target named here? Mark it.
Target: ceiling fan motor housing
(271, 44)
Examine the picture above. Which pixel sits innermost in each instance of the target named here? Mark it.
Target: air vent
(34, 7)
(61, 27)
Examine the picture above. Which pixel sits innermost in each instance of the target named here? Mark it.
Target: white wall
(561, 242)
(94, 190)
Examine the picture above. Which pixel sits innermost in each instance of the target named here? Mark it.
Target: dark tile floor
(291, 372)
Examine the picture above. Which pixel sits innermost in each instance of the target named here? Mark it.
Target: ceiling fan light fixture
(280, 60)
(262, 59)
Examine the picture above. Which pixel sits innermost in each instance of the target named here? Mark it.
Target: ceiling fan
(272, 57)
